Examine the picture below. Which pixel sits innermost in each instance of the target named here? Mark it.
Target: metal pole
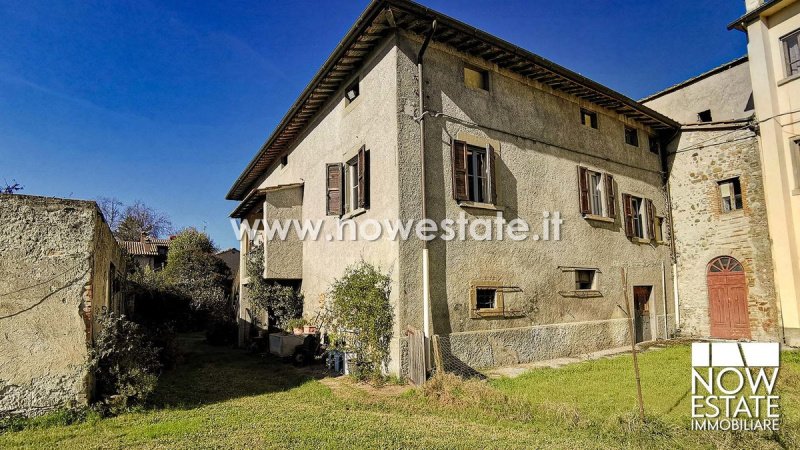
(633, 344)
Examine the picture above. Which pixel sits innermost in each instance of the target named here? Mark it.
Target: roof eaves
(742, 22)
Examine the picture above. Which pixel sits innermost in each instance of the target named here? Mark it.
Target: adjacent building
(724, 270)
(60, 267)
(148, 252)
(419, 116)
(773, 48)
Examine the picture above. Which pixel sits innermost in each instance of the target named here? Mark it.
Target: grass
(227, 398)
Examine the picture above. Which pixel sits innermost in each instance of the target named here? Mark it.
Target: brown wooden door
(641, 301)
(727, 299)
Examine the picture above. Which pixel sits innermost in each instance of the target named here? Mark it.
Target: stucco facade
(776, 92)
(59, 267)
(539, 143)
(700, 157)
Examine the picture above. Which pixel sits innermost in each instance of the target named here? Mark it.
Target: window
(473, 173)
(351, 185)
(791, 53)
(796, 161)
(284, 160)
(584, 280)
(655, 145)
(589, 118)
(731, 194)
(351, 93)
(659, 229)
(639, 217)
(597, 196)
(704, 116)
(476, 78)
(348, 185)
(486, 299)
(631, 136)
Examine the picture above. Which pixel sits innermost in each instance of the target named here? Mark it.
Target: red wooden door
(727, 299)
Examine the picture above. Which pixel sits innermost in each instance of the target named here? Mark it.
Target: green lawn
(227, 398)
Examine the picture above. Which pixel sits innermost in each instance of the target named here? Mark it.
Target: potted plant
(296, 325)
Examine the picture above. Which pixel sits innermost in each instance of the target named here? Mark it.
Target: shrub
(362, 317)
(124, 362)
(282, 303)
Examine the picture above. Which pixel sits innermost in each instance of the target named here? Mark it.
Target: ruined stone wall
(47, 249)
(703, 231)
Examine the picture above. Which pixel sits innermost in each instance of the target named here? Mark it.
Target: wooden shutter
(583, 186)
(459, 161)
(611, 197)
(626, 208)
(651, 219)
(333, 174)
(490, 171)
(363, 178)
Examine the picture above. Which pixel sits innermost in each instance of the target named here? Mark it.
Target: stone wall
(703, 231)
(50, 283)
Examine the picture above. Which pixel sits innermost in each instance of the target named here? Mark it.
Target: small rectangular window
(485, 298)
(731, 194)
(352, 92)
(284, 160)
(791, 53)
(476, 78)
(704, 116)
(585, 280)
(655, 145)
(631, 136)
(589, 118)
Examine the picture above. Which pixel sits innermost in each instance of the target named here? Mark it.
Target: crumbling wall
(45, 302)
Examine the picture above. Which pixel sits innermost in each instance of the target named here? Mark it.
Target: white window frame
(478, 181)
(351, 185)
(639, 218)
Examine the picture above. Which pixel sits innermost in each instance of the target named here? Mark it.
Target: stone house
(148, 251)
(60, 267)
(716, 184)
(419, 116)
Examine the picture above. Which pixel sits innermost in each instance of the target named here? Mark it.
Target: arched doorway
(727, 299)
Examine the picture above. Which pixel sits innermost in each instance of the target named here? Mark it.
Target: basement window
(486, 299)
(731, 194)
(476, 78)
(585, 280)
(704, 116)
(631, 136)
(589, 118)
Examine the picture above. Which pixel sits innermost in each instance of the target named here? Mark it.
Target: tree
(194, 270)
(10, 188)
(139, 218)
(112, 210)
(281, 303)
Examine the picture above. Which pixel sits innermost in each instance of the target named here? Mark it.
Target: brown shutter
(490, 171)
(333, 174)
(611, 197)
(459, 160)
(583, 186)
(626, 208)
(651, 219)
(363, 178)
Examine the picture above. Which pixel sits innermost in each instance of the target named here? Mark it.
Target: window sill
(638, 240)
(480, 205)
(788, 79)
(487, 313)
(598, 218)
(354, 213)
(582, 293)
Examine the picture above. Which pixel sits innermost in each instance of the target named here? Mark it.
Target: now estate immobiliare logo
(733, 386)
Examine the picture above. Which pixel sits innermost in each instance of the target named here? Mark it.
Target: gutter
(426, 294)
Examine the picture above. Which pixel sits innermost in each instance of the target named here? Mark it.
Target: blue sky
(166, 102)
